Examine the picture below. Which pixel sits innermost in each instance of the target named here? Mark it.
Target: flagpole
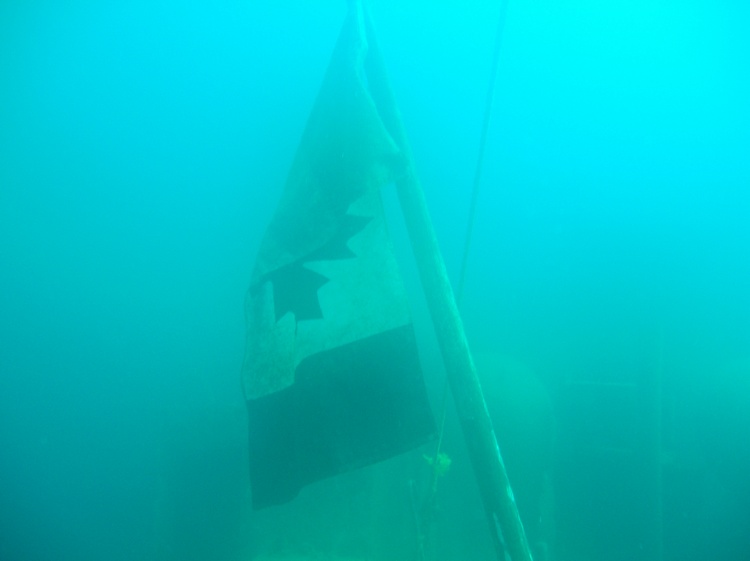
(505, 524)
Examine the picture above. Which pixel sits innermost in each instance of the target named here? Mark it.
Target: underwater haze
(143, 149)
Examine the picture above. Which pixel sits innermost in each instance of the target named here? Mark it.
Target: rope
(489, 102)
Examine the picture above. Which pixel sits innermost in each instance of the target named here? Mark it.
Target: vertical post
(505, 523)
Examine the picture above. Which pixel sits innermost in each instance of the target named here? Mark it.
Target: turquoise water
(143, 149)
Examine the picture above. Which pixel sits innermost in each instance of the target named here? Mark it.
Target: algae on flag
(331, 374)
